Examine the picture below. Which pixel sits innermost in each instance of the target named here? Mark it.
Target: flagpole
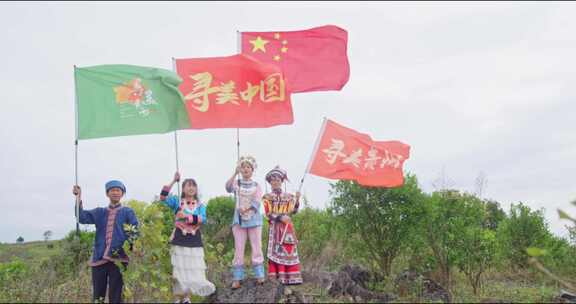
(176, 138)
(177, 162)
(314, 150)
(77, 209)
(239, 50)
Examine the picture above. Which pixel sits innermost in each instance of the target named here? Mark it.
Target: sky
(475, 88)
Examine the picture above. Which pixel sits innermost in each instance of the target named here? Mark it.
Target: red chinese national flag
(343, 153)
(234, 92)
(312, 60)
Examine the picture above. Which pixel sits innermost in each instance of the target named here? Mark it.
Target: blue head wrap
(115, 184)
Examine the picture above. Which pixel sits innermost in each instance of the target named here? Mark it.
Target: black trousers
(107, 276)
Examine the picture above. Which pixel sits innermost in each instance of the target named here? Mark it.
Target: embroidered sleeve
(294, 204)
(164, 193)
(230, 187)
(267, 205)
(171, 201)
(269, 209)
(86, 216)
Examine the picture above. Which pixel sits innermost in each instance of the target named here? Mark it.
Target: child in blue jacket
(108, 242)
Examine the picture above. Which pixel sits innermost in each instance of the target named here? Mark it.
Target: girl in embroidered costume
(187, 252)
(283, 261)
(247, 221)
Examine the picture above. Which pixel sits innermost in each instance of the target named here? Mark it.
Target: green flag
(117, 100)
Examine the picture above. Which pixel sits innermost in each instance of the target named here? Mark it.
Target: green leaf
(535, 252)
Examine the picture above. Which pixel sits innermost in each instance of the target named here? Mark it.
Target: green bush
(381, 220)
(494, 215)
(453, 227)
(522, 229)
(148, 275)
(317, 233)
(12, 271)
(218, 229)
(560, 256)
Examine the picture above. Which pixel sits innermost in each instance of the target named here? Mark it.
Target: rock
(358, 274)
(566, 297)
(410, 281)
(349, 281)
(435, 292)
(250, 292)
(407, 282)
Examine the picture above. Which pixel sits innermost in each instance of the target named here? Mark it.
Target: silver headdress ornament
(277, 171)
(248, 159)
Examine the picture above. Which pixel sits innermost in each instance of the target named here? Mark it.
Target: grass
(500, 288)
(527, 286)
(30, 251)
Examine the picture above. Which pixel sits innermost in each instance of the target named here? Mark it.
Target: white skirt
(189, 270)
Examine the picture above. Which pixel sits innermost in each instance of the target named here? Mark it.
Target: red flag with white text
(342, 153)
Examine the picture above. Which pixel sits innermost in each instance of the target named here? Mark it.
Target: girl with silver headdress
(283, 261)
(247, 221)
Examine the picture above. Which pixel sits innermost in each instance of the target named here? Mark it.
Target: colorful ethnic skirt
(283, 261)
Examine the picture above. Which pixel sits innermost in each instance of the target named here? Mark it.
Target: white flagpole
(239, 50)
(315, 149)
(176, 137)
(76, 152)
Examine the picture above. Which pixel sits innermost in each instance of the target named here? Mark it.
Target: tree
(572, 234)
(20, 240)
(219, 212)
(476, 254)
(453, 228)
(494, 214)
(147, 277)
(523, 229)
(317, 233)
(536, 253)
(381, 220)
(47, 234)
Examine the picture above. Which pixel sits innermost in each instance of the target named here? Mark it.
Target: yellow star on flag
(277, 36)
(284, 49)
(258, 44)
(277, 57)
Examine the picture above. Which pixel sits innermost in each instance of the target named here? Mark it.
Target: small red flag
(343, 153)
(312, 60)
(234, 92)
